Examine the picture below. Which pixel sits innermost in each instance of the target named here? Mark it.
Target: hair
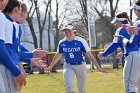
(77, 34)
(23, 7)
(124, 15)
(11, 5)
(137, 2)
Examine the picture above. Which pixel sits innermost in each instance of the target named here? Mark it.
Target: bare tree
(130, 10)
(49, 25)
(35, 11)
(106, 13)
(84, 16)
(60, 14)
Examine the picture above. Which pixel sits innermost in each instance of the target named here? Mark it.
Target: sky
(122, 6)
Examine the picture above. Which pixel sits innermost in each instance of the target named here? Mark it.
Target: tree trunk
(29, 20)
(49, 38)
(56, 27)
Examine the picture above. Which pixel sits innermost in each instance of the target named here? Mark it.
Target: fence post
(115, 61)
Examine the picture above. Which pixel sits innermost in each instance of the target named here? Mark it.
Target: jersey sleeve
(26, 60)
(2, 26)
(7, 61)
(120, 32)
(9, 32)
(59, 48)
(23, 48)
(137, 23)
(111, 48)
(134, 40)
(85, 46)
(25, 54)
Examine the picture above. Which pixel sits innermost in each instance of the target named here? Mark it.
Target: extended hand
(48, 68)
(103, 71)
(38, 53)
(132, 30)
(119, 55)
(100, 56)
(38, 63)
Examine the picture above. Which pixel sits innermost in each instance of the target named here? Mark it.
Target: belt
(78, 63)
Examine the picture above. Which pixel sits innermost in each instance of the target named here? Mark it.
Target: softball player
(11, 15)
(7, 65)
(131, 68)
(19, 53)
(132, 29)
(73, 48)
(22, 52)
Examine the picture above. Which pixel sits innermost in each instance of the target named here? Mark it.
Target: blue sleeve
(23, 48)
(26, 60)
(6, 60)
(25, 54)
(111, 48)
(133, 43)
(60, 49)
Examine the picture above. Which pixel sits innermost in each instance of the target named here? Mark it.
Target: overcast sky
(122, 6)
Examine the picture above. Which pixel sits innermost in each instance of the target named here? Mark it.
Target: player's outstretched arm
(93, 60)
(38, 53)
(38, 62)
(54, 61)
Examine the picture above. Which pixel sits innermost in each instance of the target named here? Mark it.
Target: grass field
(96, 83)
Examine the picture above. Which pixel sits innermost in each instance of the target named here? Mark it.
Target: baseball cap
(68, 26)
(118, 19)
(135, 6)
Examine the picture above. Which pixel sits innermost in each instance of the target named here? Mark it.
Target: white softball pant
(7, 83)
(131, 72)
(80, 71)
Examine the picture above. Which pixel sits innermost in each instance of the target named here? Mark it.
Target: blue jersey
(5, 56)
(137, 24)
(134, 40)
(13, 45)
(10, 36)
(74, 50)
(21, 53)
(118, 42)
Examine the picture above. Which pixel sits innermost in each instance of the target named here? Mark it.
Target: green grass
(96, 83)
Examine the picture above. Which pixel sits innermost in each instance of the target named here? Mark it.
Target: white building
(27, 38)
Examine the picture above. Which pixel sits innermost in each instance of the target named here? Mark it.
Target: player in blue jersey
(12, 12)
(134, 31)
(73, 48)
(7, 65)
(131, 68)
(22, 53)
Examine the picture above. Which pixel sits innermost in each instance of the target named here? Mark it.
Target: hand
(48, 68)
(38, 63)
(100, 56)
(38, 53)
(20, 81)
(132, 30)
(103, 71)
(119, 55)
